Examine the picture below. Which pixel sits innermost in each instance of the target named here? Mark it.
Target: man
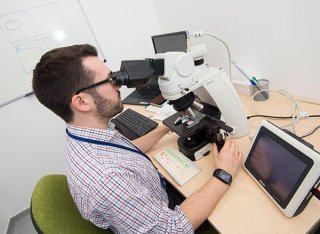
(111, 181)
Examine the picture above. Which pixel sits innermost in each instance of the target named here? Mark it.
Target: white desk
(245, 208)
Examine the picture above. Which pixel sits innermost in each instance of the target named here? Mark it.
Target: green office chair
(54, 212)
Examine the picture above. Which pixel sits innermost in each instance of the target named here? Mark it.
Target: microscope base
(195, 142)
(195, 151)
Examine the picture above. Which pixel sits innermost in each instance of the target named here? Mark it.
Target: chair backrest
(53, 210)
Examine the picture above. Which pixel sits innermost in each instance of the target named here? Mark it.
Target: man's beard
(106, 109)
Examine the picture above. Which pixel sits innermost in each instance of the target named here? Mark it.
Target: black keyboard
(132, 124)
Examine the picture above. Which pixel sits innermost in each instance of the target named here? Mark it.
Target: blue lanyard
(136, 150)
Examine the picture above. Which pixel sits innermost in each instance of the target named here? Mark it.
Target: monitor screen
(279, 167)
(170, 42)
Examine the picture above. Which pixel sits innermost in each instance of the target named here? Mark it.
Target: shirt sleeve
(120, 201)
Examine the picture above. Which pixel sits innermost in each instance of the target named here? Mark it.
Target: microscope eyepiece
(120, 78)
(138, 73)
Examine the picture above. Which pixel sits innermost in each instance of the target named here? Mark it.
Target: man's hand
(229, 157)
(200, 204)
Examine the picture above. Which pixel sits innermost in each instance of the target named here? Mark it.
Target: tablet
(168, 42)
(284, 166)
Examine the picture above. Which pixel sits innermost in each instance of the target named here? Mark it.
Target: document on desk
(181, 168)
(164, 112)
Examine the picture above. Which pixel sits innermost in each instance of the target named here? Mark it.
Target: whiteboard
(123, 29)
(28, 30)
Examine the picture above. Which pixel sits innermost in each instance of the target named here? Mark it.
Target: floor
(21, 224)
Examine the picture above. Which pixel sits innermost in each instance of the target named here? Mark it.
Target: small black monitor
(284, 166)
(176, 41)
(278, 165)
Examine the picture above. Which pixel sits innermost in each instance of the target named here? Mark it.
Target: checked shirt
(116, 188)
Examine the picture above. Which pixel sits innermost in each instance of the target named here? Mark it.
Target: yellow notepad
(181, 168)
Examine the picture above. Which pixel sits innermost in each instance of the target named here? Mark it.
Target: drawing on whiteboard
(34, 31)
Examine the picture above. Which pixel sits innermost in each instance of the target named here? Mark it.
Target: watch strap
(223, 176)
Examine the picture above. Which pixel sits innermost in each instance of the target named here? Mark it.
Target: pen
(260, 88)
(252, 80)
(256, 82)
(244, 73)
(153, 104)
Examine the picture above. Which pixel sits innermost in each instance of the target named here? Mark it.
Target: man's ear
(82, 102)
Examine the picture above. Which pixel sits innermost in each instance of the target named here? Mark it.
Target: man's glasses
(107, 80)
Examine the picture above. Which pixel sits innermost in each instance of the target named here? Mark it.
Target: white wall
(31, 146)
(276, 40)
(32, 139)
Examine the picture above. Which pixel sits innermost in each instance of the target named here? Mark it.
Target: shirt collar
(98, 134)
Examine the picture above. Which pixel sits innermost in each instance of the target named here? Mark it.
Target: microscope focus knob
(184, 65)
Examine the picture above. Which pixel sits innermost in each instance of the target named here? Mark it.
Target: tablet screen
(278, 166)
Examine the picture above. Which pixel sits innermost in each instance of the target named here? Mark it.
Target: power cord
(311, 132)
(296, 116)
(269, 116)
(295, 107)
(289, 117)
(280, 117)
(200, 33)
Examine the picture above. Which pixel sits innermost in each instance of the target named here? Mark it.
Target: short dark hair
(59, 74)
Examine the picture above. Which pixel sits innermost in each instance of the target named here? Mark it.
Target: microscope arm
(182, 75)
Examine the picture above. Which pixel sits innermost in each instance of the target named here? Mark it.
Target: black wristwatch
(223, 176)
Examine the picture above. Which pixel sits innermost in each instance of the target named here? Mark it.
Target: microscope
(208, 106)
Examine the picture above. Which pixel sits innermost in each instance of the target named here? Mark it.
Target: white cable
(296, 116)
(295, 111)
(295, 107)
(200, 33)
